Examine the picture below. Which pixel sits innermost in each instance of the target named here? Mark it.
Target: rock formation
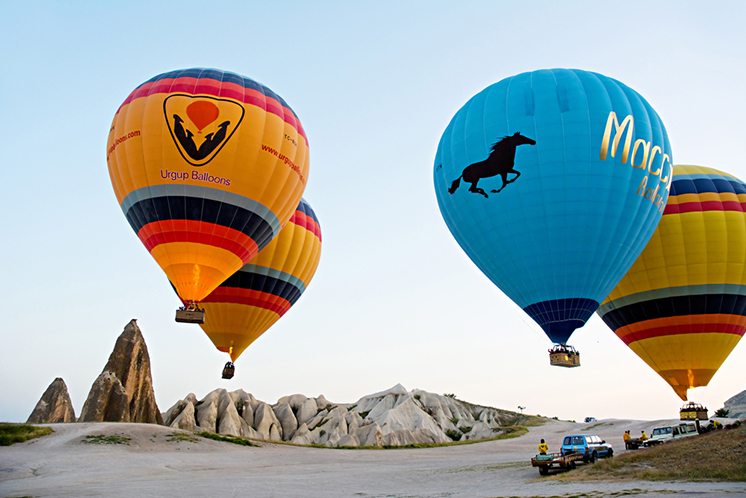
(54, 406)
(395, 417)
(124, 390)
(736, 405)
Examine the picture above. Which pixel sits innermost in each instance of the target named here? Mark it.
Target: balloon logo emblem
(201, 126)
(202, 113)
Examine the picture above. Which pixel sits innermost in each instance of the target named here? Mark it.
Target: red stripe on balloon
(303, 220)
(198, 232)
(207, 86)
(248, 297)
(691, 328)
(690, 207)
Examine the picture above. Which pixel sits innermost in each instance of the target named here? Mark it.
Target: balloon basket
(228, 370)
(693, 411)
(564, 356)
(190, 315)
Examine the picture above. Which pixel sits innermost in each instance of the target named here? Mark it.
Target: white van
(671, 432)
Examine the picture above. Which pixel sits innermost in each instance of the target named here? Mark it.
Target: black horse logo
(211, 142)
(500, 162)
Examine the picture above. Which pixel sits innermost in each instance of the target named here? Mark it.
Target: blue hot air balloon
(552, 182)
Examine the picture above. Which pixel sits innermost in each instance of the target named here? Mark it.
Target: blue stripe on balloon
(707, 184)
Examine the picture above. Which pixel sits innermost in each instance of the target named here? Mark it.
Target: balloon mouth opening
(560, 317)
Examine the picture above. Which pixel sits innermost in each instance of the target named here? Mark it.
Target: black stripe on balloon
(198, 209)
(263, 283)
(703, 304)
(560, 317)
(703, 185)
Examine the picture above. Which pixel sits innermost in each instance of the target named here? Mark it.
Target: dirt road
(153, 464)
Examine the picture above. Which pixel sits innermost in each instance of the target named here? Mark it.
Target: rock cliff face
(54, 406)
(124, 390)
(736, 405)
(395, 417)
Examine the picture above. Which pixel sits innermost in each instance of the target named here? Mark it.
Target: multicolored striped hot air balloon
(682, 305)
(247, 304)
(567, 173)
(207, 166)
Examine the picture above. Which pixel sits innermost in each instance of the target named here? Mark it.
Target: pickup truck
(555, 461)
(590, 446)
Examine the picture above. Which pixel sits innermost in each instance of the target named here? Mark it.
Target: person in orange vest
(626, 438)
(543, 448)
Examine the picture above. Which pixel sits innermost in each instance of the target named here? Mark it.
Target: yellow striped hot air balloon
(682, 305)
(247, 304)
(208, 166)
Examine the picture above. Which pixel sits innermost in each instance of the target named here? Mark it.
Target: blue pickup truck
(590, 446)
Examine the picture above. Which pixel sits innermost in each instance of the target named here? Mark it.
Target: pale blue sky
(374, 84)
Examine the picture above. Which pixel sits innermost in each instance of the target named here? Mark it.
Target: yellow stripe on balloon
(197, 280)
(236, 326)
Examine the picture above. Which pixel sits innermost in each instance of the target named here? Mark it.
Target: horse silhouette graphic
(212, 141)
(500, 162)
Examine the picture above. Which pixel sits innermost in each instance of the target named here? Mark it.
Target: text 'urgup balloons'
(247, 304)
(207, 166)
(552, 182)
(682, 305)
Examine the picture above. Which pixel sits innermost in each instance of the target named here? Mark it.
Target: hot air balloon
(552, 182)
(207, 166)
(250, 301)
(682, 305)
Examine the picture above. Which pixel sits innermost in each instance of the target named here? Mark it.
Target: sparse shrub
(454, 420)
(322, 432)
(417, 397)
(228, 439)
(107, 439)
(181, 437)
(450, 395)
(453, 434)
(364, 414)
(351, 408)
(465, 429)
(722, 412)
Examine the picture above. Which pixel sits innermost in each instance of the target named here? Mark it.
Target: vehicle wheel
(611, 453)
(543, 470)
(572, 465)
(594, 455)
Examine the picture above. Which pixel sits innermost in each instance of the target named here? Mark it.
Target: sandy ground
(152, 466)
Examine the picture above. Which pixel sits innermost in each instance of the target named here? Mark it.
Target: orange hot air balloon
(208, 166)
(247, 304)
(682, 305)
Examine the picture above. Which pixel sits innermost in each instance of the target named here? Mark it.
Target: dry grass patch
(715, 456)
(18, 433)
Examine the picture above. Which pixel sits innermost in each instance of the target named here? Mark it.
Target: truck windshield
(659, 431)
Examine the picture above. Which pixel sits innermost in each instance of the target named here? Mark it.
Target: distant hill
(736, 405)
(394, 417)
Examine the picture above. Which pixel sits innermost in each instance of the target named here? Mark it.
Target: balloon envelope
(557, 223)
(247, 304)
(207, 166)
(682, 305)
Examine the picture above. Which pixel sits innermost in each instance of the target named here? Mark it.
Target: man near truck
(543, 448)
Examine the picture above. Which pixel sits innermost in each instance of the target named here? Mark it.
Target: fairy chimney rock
(54, 406)
(124, 390)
